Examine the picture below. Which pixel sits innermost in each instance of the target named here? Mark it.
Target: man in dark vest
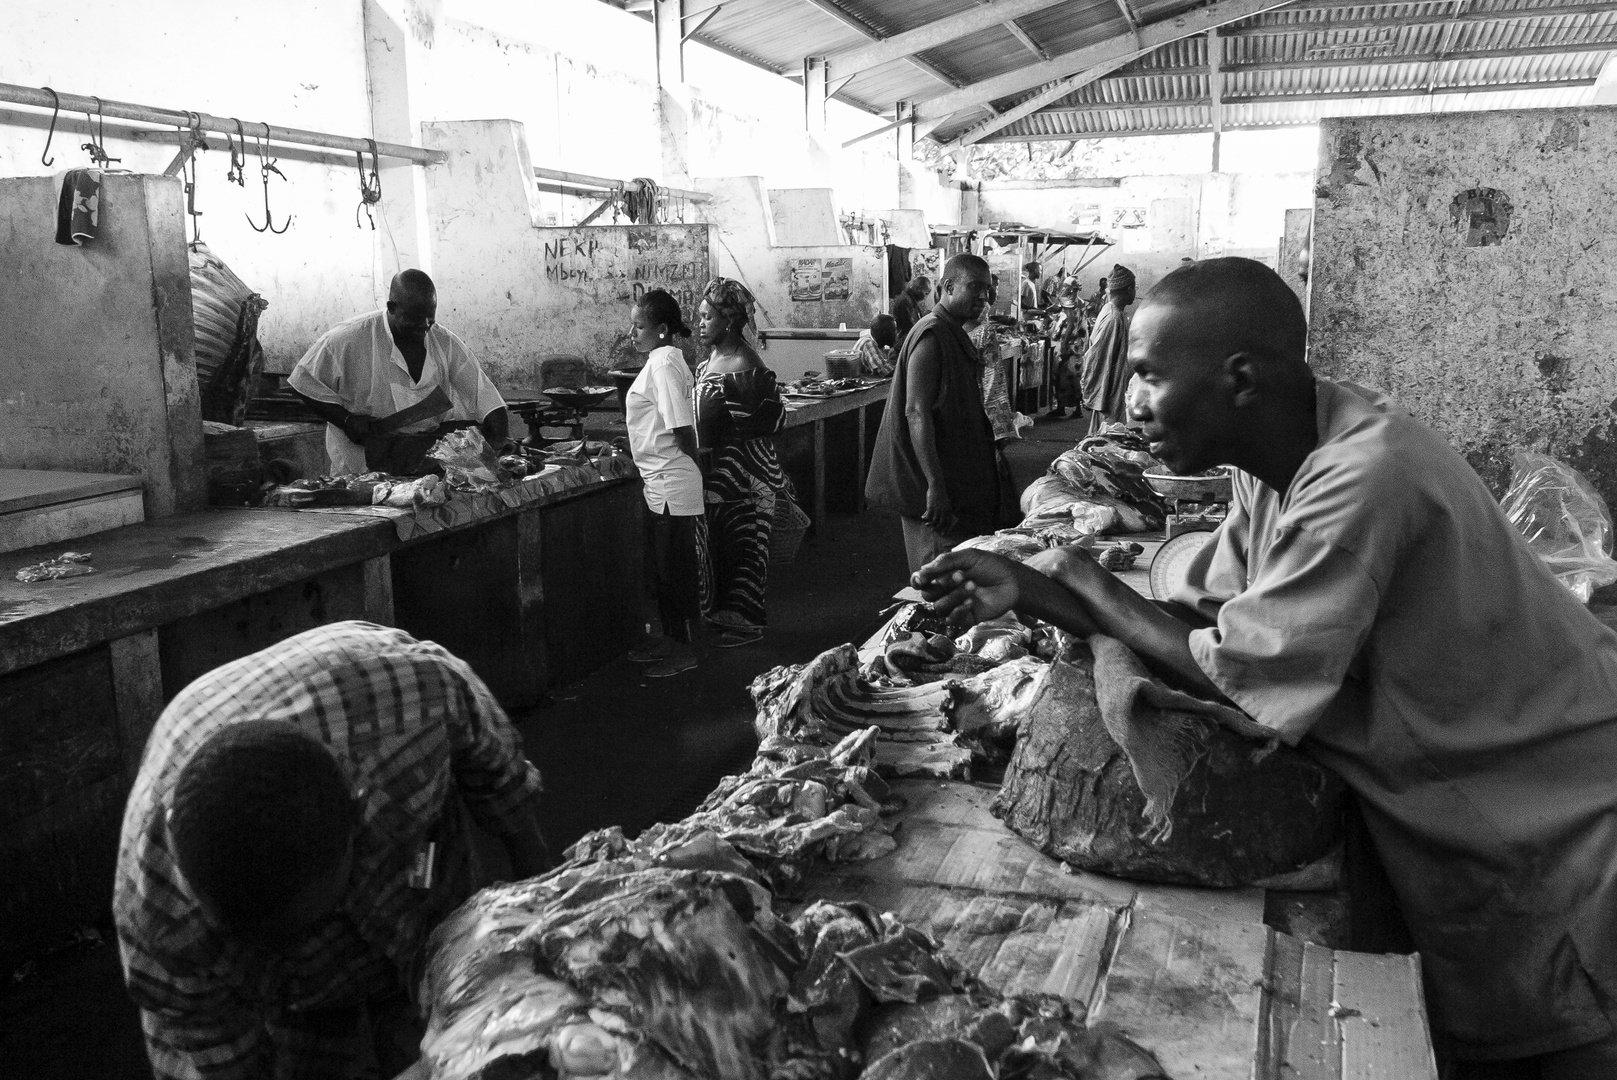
(934, 458)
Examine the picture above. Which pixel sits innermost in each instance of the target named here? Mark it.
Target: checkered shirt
(422, 741)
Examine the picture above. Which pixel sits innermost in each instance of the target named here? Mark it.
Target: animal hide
(1207, 797)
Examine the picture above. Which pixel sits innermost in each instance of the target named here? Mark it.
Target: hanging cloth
(898, 269)
(78, 210)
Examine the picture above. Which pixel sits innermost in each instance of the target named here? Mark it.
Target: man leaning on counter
(389, 384)
(1368, 600)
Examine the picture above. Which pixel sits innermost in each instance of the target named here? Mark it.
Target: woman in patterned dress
(738, 412)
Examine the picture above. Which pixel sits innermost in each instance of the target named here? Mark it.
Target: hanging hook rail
(39, 98)
(56, 110)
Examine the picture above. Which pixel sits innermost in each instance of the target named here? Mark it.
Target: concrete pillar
(667, 17)
(673, 95)
(1213, 216)
(1215, 82)
(815, 93)
(398, 49)
(479, 204)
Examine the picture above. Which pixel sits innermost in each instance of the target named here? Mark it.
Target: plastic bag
(1564, 520)
(469, 462)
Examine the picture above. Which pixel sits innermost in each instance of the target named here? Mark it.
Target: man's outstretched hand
(968, 586)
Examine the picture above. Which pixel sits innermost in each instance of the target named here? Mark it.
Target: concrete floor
(616, 748)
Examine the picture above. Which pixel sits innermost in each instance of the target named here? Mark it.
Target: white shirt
(658, 402)
(355, 364)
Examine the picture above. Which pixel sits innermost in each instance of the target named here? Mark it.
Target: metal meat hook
(56, 110)
(266, 166)
(370, 188)
(237, 173)
(98, 137)
(191, 200)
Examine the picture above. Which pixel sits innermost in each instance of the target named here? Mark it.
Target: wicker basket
(786, 536)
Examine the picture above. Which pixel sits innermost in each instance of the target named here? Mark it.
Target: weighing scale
(1197, 503)
(567, 407)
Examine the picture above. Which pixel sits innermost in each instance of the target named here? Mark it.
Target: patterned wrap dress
(737, 416)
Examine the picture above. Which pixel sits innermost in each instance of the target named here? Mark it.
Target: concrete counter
(530, 596)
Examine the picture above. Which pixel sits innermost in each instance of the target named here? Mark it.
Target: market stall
(1028, 350)
(509, 578)
(881, 918)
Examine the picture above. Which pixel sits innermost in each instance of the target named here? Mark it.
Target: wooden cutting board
(1193, 975)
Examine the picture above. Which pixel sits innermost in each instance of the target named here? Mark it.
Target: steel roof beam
(1087, 109)
(1385, 59)
(853, 22)
(1026, 39)
(1121, 47)
(1054, 92)
(1289, 29)
(1071, 136)
(931, 35)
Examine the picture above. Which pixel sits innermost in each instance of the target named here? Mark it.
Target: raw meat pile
(1107, 768)
(797, 804)
(1098, 486)
(931, 729)
(630, 969)
(67, 564)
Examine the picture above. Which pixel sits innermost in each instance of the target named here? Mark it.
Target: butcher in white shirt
(388, 384)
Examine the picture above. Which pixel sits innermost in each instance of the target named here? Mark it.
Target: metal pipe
(123, 110)
(606, 183)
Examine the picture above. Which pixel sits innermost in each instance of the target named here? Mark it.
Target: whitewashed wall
(578, 74)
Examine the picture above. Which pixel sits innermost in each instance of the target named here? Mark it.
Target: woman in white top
(662, 438)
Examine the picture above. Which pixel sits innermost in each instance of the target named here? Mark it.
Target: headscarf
(1120, 280)
(732, 300)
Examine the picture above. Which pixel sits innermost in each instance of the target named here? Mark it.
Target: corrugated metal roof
(1290, 65)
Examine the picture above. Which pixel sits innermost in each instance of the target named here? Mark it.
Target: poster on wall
(1128, 217)
(807, 281)
(838, 279)
(1087, 217)
(926, 262)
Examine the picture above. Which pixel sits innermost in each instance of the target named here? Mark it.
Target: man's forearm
(1048, 600)
(924, 439)
(329, 412)
(1118, 611)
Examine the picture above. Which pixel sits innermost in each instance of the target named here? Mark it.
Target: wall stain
(1554, 371)
(1349, 155)
(1564, 135)
(1484, 214)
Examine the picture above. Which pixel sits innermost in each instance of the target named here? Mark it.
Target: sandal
(729, 620)
(731, 639)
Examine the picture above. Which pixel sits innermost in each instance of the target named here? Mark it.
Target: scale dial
(1171, 564)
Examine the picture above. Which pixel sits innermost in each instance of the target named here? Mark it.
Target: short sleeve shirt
(658, 403)
(356, 365)
(1385, 615)
(419, 737)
